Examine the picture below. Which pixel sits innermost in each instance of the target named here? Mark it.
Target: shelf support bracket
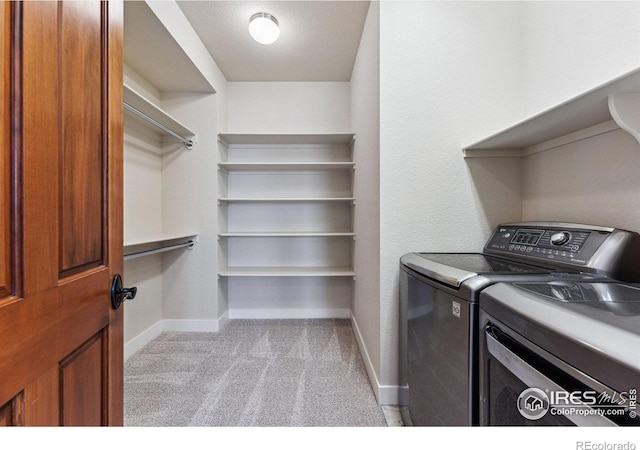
(625, 111)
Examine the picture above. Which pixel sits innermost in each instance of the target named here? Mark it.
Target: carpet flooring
(263, 373)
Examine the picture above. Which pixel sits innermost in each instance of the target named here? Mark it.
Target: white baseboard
(338, 313)
(213, 326)
(223, 320)
(385, 394)
(135, 344)
(210, 326)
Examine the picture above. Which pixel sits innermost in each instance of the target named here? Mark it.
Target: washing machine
(439, 313)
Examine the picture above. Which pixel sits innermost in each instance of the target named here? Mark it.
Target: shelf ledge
(287, 272)
(293, 166)
(285, 138)
(588, 110)
(287, 234)
(286, 200)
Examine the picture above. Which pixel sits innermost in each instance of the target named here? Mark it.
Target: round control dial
(560, 238)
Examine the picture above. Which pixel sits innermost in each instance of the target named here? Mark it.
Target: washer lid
(604, 324)
(453, 269)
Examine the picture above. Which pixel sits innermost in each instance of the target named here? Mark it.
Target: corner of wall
(365, 122)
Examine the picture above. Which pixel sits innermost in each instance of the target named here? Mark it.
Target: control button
(529, 249)
(506, 235)
(517, 247)
(560, 238)
(575, 248)
(511, 247)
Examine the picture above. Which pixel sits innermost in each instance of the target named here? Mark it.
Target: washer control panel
(573, 246)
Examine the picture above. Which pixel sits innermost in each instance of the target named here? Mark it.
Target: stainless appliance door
(521, 384)
(437, 351)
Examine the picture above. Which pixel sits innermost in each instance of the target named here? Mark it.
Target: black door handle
(119, 294)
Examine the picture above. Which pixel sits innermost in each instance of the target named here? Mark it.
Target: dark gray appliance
(439, 328)
(560, 353)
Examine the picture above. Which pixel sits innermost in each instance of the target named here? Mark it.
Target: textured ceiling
(318, 39)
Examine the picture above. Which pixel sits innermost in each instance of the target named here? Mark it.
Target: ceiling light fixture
(263, 27)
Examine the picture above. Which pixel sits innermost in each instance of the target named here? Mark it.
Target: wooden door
(61, 345)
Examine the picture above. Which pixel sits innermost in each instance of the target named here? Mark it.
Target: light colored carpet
(252, 373)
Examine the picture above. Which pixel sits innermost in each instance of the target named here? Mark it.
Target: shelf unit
(286, 213)
(609, 106)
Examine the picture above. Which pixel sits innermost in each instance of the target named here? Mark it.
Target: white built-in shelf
(139, 107)
(615, 100)
(292, 197)
(145, 247)
(259, 166)
(287, 234)
(285, 139)
(287, 200)
(287, 272)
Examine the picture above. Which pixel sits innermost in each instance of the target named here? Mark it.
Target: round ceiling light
(263, 27)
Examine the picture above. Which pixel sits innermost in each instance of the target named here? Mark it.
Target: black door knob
(119, 293)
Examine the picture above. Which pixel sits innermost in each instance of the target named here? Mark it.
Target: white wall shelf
(139, 103)
(287, 272)
(298, 166)
(286, 234)
(288, 200)
(583, 111)
(285, 139)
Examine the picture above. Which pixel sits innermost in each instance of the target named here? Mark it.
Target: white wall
(189, 205)
(571, 47)
(288, 107)
(448, 75)
(594, 181)
(365, 119)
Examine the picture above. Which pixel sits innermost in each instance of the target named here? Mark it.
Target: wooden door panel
(48, 327)
(82, 379)
(61, 208)
(82, 142)
(11, 412)
(39, 142)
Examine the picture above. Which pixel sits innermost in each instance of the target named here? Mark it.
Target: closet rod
(187, 142)
(189, 244)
